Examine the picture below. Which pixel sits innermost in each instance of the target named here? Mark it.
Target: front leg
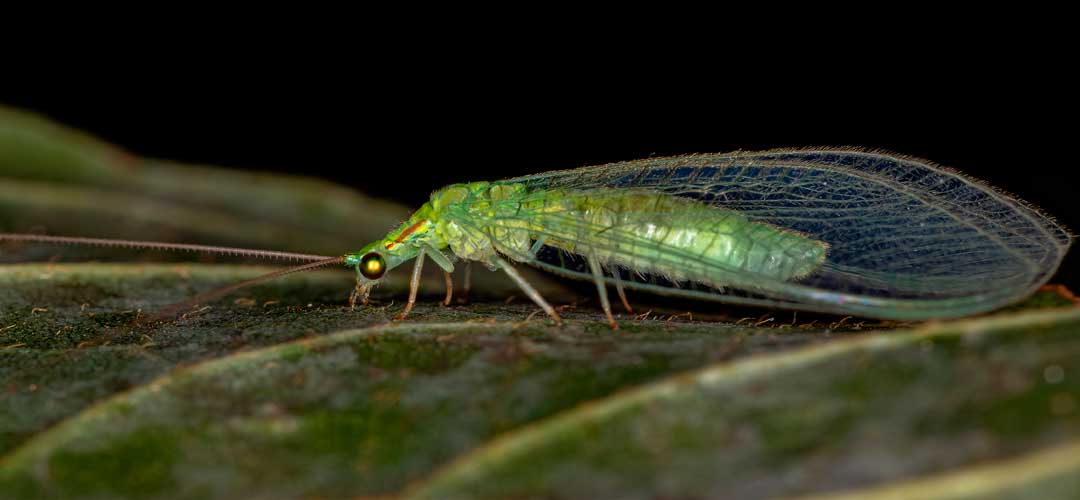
(414, 286)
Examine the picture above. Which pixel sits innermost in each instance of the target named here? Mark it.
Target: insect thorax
(466, 214)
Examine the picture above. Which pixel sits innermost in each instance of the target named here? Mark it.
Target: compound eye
(372, 266)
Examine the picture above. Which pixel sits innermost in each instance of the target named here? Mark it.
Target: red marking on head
(405, 234)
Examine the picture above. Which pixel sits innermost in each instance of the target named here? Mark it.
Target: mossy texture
(281, 391)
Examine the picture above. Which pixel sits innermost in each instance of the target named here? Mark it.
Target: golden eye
(372, 266)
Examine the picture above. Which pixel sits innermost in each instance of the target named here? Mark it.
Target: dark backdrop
(403, 137)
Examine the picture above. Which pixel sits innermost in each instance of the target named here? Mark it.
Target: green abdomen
(677, 237)
(648, 232)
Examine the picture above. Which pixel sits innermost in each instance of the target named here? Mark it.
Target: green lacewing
(840, 231)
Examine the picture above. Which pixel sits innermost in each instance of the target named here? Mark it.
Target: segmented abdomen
(648, 232)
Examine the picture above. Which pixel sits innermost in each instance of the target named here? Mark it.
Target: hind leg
(601, 289)
(620, 291)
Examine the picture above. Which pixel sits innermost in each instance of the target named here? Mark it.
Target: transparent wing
(907, 239)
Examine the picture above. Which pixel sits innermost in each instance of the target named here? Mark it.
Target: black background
(404, 130)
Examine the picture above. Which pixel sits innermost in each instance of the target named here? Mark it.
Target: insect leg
(449, 288)
(465, 287)
(601, 289)
(414, 285)
(537, 245)
(439, 259)
(619, 289)
(527, 288)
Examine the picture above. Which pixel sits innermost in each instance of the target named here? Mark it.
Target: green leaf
(844, 415)
(359, 411)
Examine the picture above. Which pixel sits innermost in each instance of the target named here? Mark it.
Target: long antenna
(157, 245)
(169, 311)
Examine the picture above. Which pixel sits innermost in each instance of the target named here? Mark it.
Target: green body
(647, 232)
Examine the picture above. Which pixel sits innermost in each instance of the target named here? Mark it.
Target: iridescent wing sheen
(907, 239)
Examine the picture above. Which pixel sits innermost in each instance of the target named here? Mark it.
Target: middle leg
(468, 283)
(449, 288)
(527, 288)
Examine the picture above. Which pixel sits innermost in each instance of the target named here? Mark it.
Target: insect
(842, 231)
